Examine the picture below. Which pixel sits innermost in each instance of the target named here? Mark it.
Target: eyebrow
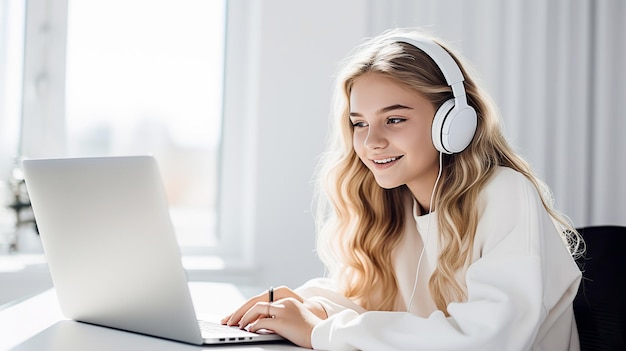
(386, 109)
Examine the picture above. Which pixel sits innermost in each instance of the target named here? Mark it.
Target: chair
(600, 305)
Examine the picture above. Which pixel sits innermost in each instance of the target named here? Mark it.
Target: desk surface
(38, 324)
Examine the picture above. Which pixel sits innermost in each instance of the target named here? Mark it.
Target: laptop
(111, 248)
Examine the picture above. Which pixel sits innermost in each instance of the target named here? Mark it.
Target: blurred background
(232, 98)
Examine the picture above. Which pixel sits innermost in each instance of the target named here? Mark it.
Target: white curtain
(556, 69)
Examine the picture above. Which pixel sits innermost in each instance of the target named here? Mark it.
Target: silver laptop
(112, 251)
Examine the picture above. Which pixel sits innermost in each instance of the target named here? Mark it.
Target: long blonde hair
(360, 223)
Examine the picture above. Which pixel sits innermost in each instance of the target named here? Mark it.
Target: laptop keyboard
(211, 329)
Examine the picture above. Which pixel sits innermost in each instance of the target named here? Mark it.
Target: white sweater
(520, 286)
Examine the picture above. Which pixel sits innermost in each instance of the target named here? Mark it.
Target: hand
(294, 317)
(280, 293)
(287, 317)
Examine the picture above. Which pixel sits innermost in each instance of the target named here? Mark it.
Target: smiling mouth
(386, 160)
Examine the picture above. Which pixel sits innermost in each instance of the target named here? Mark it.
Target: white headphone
(455, 121)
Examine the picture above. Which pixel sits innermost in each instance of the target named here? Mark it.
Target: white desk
(37, 324)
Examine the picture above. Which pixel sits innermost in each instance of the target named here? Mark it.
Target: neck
(423, 210)
(423, 192)
(424, 189)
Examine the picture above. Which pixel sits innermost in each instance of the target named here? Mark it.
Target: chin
(388, 185)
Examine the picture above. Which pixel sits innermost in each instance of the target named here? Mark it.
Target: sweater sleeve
(322, 290)
(522, 272)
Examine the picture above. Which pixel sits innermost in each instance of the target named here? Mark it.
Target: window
(135, 77)
(145, 77)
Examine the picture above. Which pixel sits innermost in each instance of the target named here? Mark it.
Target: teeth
(386, 160)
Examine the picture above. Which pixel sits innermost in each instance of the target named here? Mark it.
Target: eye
(395, 120)
(359, 124)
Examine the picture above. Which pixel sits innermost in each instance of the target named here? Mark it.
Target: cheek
(358, 143)
(355, 140)
(419, 140)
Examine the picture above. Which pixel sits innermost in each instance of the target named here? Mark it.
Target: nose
(375, 139)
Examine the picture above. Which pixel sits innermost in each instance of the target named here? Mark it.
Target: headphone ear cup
(438, 122)
(453, 128)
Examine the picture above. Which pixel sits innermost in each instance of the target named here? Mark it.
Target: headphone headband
(451, 71)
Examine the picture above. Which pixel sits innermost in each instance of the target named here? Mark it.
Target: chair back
(600, 305)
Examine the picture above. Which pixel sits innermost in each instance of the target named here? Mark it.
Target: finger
(270, 324)
(235, 318)
(262, 310)
(226, 319)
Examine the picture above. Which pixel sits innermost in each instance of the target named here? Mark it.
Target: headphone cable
(430, 207)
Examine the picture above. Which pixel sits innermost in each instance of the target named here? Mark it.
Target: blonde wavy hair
(360, 223)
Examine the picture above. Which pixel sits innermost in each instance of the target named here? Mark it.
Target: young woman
(435, 233)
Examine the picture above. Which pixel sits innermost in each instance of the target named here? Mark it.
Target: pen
(270, 298)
